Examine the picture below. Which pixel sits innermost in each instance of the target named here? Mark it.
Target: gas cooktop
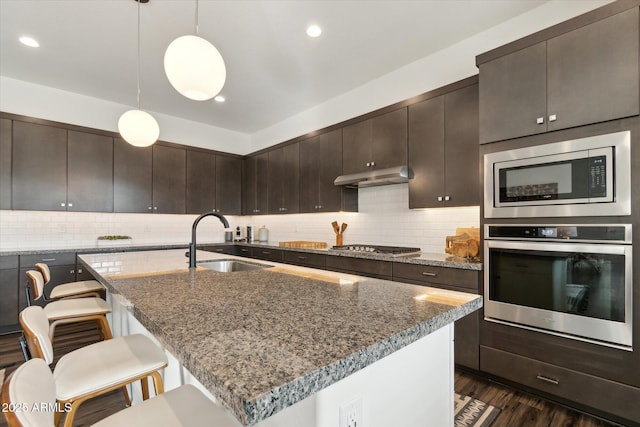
(376, 249)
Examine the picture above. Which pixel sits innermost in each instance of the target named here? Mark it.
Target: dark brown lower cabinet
(266, 254)
(307, 259)
(581, 390)
(467, 329)
(360, 266)
(10, 293)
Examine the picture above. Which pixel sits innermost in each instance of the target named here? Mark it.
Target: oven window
(585, 284)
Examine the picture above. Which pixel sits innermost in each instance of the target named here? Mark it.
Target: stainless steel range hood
(395, 175)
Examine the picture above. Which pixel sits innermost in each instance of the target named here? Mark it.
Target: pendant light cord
(197, 18)
(138, 69)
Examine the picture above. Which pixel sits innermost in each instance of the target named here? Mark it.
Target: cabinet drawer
(267, 253)
(9, 261)
(304, 258)
(220, 249)
(594, 392)
(364, 267)
(243, 251)
(62, 258)
(467, 279)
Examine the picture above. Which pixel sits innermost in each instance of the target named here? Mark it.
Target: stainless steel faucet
(192, 245)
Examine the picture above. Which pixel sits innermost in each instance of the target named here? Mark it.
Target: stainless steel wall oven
(568, 280)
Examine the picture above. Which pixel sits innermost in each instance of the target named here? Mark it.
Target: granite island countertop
(261, 340)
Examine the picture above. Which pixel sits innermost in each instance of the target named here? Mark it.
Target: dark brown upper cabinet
(256, 190)
(376, 143)
(320, 165)
(39, 162)
(169, 179)
(444, 150)
(90, 172)
(132, 178)
(284, 178)
(5, 163)
(229, 185)
(586, 75)
(201, 182)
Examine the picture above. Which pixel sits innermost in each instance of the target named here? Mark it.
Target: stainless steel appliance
(393, 251)
(582, 177)
(568, 280)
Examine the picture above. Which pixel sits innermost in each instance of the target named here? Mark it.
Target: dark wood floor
(517, 409)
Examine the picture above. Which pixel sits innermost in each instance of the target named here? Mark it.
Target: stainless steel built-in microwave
(582, 177)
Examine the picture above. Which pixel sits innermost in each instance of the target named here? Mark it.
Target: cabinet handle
(72, 272)
(540, 120)
(266, 253)
(79, 271)
(63, 204)
(368, 164)
(155, 208)
(149, 207)
(48, 259)
(70, 205)
(319, 206)
(552, 118)
(548, 380)
(447, 198)
(439, 198)
(426, 273)
(373, 163)
(219, 250)
(244, 250)
(302, 257)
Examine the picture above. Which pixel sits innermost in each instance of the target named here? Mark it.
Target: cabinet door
(201, 182)
(461, 148)
(513, 94)
(90, 172)
(426, 153)
(330, 196)
(276, 173)
(310, 164)
(356, 147)
(39, 167)
(229, 185)
(5, 164)
(169, 179)
(132, 177)
(291, 178)
(389, 139)
(592, 72)
(256, 191)
(9, 291)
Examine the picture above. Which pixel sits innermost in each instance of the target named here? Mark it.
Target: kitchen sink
(231, 265)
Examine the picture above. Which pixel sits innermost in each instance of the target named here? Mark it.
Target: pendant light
(138, 127)
(194, 66)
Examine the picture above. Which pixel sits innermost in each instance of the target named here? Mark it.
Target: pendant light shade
(195, 68)
(138, 128)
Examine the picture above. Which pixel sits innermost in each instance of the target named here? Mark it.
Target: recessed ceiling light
(314, 30)
(219, 98)
(29, 41)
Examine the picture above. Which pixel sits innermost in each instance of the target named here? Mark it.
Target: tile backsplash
(383, 218)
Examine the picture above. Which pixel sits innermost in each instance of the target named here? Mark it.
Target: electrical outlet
(351, 414)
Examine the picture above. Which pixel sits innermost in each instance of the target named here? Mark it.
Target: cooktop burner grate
(386, 250)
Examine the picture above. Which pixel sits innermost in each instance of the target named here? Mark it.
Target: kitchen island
(289, 346)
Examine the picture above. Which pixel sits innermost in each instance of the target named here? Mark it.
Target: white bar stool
(83, 288)
(32, 383)
(71, 310)
(97, 368)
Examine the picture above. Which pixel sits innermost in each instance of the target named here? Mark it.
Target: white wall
(28, 99)
(384, 219)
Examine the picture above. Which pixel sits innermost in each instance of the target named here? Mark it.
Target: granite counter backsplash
(260, 340)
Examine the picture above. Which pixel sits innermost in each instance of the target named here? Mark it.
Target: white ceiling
(274, 70)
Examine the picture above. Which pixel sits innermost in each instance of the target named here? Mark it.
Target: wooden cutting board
(302, 244)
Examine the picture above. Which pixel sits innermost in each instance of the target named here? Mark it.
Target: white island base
(412, 387)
